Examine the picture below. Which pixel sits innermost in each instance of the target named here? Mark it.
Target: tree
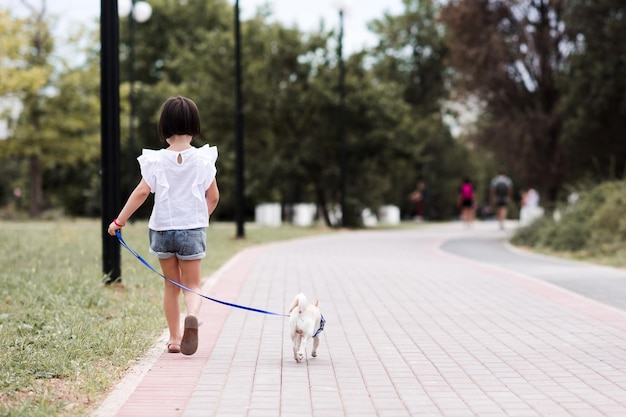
(26, 141)
(290, 103)
(293, 122)
(411, 53)
(54, 146)
(18, 78)
(70, 136)
(284, 100)
(594, 88)
(507, 53)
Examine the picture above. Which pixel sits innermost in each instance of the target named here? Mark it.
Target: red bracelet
(117, 224)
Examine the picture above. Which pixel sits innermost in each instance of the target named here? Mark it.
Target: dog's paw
(299, 357)
(314, 354)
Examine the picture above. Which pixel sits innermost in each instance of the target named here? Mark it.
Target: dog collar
(322, 321)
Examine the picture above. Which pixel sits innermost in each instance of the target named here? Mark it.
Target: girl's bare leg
(171, 306)
(191, 277)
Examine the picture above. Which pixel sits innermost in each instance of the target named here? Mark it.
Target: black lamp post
(110, 136)
(341, 117)
(139, 12)
(239, 187)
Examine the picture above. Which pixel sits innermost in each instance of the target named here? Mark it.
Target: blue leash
(178, 284)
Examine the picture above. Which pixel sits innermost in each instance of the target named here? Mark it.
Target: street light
(239, 187)
(137, 12)
(341, 117)
(110, 136)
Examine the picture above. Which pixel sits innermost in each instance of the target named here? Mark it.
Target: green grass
(66, 338)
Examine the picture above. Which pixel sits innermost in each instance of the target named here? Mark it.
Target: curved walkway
(411, 330)
(604, 284)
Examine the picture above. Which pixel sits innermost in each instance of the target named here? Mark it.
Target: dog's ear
(317, 302)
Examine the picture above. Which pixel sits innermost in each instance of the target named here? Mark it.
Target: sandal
(189, 344)
(173, 347)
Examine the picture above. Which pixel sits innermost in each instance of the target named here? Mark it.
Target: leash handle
(178, 284)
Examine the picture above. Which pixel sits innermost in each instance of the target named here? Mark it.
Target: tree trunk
(321, 203)
(36, 189)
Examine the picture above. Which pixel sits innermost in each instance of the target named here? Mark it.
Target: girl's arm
(136, 199)
(212, 195)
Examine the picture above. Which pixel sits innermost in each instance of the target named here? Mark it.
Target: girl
(182, 178)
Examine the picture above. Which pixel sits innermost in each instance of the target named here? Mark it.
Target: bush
(594, 224)
(531, 234)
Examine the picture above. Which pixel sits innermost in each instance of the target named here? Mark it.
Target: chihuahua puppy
(306, 322)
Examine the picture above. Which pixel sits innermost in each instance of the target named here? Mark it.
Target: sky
(306, 14)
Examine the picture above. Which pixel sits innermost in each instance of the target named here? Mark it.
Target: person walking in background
(466, 202)
(501, 192)
(419, 198)
(182, 178)
(530, 210)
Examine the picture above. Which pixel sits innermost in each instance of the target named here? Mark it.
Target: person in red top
(466, 202)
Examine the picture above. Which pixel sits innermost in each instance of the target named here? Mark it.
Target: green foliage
(549, 78)
(57, 133)
(531, 235)
(411, 56)
(594, 86)
(72, 147)
(593, 226)
(507, 54)
(394, 133)
(291, 108)
(18, 78)
(411, 52)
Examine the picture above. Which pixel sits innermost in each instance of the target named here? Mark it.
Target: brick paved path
(411, 331)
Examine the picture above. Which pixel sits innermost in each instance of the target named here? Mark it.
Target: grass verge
(66, 338)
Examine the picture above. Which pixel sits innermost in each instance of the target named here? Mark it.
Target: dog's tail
(300, 302)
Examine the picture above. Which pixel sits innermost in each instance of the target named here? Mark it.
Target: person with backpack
(466, 202)
(501, 193)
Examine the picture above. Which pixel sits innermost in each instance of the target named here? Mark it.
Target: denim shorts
(187, 244)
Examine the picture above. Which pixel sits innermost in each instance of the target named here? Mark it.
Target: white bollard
(304, 214)
(268, 214)
(389, 215)
(369, 218)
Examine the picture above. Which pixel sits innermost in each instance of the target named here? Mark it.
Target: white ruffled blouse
(179, 181)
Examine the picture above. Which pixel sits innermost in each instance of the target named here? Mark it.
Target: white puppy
(306, 322)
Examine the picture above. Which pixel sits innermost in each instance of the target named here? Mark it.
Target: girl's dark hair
(179, 116)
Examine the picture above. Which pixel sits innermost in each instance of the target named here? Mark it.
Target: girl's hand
(115, 226)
